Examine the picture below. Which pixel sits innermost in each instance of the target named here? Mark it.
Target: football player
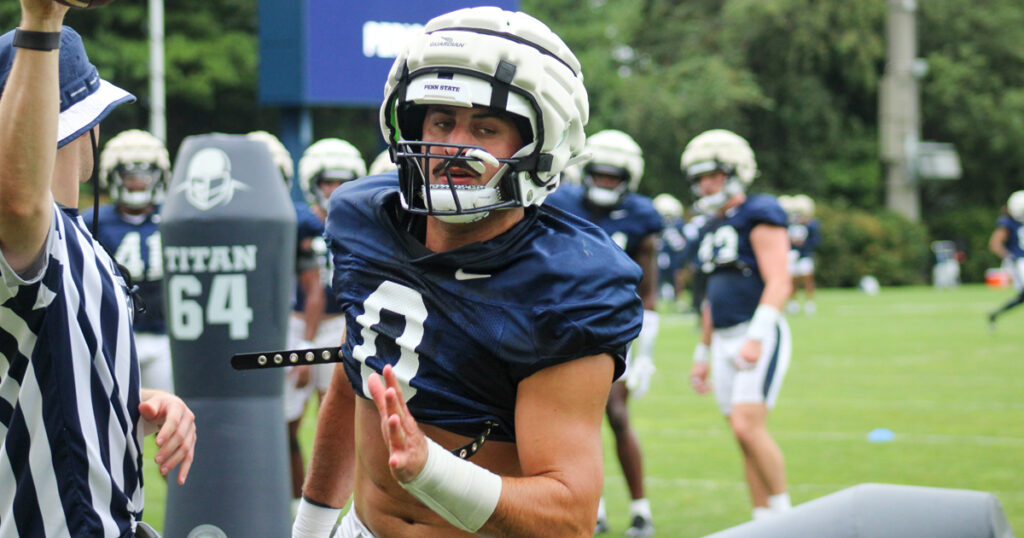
(675, 236)
(134, 170)
(607, 197)
(743, 249)
(316, 317)
(1006, 243)
(483, 328)
(804, 236)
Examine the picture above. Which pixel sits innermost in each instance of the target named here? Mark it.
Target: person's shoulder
(571, 245)
(1006, 221)
(764, 208)
(642, 208)
(565, 196)
(355, 205)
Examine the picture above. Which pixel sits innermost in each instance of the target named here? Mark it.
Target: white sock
(761, 512)
(779, 502)
(601, 513)
(810, 307)
(640, 507)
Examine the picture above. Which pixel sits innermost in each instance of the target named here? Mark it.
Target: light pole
(900, 110)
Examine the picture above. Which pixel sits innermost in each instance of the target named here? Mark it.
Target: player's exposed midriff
(387, 509)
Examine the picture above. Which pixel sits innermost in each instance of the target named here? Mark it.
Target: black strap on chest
(467, 450)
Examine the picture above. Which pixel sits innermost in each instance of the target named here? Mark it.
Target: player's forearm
(28, 135)
(544, 506)
(776, 291)
(331, 475)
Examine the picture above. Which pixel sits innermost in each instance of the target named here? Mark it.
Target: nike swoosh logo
(462, 275)
(619, 214)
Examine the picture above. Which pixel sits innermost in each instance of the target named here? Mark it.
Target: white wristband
(461, 492)
(702, 353)
(312, 521)
(762, 325)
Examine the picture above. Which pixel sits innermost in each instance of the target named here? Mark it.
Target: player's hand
(748, 356)
(301, 375)
(406, 443)
(638, 378)
(176, 430)
(699, 377)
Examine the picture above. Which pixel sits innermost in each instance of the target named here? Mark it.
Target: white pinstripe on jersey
(69, 394)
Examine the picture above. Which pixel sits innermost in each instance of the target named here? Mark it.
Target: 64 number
(228, 304)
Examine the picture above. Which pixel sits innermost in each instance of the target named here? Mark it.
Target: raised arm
(28, 139)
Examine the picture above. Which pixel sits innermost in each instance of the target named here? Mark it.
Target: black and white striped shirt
(71, 452)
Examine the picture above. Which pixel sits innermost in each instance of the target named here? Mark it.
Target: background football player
(804, 236)
(134, 170)
(607, 197)
(483, 328)
(675, 236)
(1007, 242)
(743, 249)
(316, 316)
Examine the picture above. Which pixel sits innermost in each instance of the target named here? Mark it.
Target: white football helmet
(786, 202)
(382, 164)
(668, 206)
(1015, 206)
(723, 151)
(614, 153)
(135, 153)
(331, 159)
(280, 154)
(489, 57)
(803, 206)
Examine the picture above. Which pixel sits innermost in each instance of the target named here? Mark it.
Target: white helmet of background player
(505, 60)
(330, 159)
(788, 204)
(723, 151)
(612, 153)
(1015, 206)
(282, 159)
(139, 154)
(803, 206)
(381, 164)
(668, 206)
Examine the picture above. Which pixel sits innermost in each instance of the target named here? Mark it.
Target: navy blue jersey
(135, 243)
(734, 281)
(1014, 235)
(309, 226)
(463, 327)
(804, 237)
(674, 238)
(628, 223)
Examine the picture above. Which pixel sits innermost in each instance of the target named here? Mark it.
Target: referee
(72, 413)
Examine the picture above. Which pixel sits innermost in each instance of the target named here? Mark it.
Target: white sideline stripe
(916, 438)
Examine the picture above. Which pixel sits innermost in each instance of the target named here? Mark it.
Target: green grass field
(918, 361)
